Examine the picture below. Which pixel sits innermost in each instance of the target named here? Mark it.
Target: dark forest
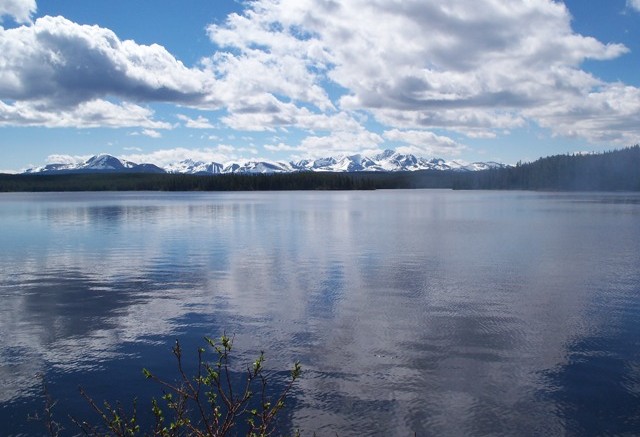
(617, 170)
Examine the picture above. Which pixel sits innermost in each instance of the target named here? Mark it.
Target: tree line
(184, 182)
(617, 170)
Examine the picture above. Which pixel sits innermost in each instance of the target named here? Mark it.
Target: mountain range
(387, 161)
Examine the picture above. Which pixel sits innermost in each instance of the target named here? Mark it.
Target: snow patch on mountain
(98, 164)
(387, 161)
(189, 166)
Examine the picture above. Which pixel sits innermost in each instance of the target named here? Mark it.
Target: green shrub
(202, 405)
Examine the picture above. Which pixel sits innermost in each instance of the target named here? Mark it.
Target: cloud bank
(55, 71)
(20, 10)
(477, 68)
(634, 4)
(345, 76)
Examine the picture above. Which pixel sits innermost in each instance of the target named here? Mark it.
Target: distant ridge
(617, 170)
(387, 161)
(98, 164)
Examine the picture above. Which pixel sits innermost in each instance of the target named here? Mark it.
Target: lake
(432, 312)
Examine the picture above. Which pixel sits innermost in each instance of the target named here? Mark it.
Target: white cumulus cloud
(221, 154)
(90, 114)
(635, 4)
(340, 143)
(328, 70)
(55, 66)
(608, 115)
(197, 123)
(20, 10)
(151, 133)
(67, 159)
(478, 67)
(423, 142)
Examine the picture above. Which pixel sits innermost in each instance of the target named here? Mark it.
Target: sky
(160, 81)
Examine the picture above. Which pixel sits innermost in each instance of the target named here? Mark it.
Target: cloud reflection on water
(424, 311)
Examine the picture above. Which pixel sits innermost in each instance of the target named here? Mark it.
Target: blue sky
(160, 81)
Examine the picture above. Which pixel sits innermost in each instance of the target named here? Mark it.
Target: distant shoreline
(618, 170)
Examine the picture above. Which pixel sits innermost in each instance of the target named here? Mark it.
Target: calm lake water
(426, 311)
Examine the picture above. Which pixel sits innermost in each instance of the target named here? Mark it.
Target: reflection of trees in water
(106, 216)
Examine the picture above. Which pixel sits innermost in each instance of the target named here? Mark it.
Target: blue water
(425, 311)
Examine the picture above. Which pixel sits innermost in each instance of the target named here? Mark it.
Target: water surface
(426, 311)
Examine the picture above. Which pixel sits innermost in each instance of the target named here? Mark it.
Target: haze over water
(426, 311)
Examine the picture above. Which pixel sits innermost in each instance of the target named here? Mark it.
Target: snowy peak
(258, 167)
(477, 166)
(189, 166)
(98, 164)
(51, 168)
(387, 161)
(106, 162)
(384, 155)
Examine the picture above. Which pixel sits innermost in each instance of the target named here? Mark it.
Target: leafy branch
(207, 404)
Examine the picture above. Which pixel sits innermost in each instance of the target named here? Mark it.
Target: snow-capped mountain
(477, 166)
(189, 166)
(258, 167)
(387, 161)
(98, 164)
